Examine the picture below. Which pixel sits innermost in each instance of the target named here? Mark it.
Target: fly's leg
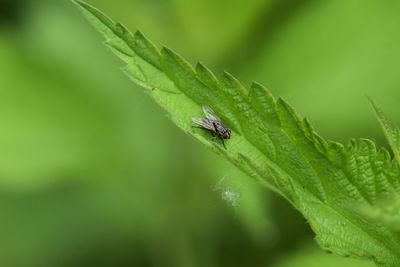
(214, 136)
(223, 142)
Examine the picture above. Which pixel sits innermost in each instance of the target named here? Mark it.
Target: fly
(213, 124)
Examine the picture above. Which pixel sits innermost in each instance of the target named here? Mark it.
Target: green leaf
(391, 131)
(385, 212)
(324, 180)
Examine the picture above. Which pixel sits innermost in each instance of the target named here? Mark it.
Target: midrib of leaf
(269, 141)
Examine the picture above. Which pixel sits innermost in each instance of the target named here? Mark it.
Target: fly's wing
(210, 114)
(203, 123)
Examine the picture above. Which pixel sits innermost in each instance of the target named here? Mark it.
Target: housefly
(214, 124)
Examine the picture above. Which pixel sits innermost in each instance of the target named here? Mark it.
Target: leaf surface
(324, 180)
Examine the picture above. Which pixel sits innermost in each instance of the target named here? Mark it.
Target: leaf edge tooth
(155, 57)
(86, 7)
(228, 79)
(203, 71)
(178, 59)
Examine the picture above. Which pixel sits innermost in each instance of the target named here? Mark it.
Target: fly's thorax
(222, 131)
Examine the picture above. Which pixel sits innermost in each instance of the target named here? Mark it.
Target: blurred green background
(92, 172)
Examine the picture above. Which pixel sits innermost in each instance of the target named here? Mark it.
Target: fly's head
(226, 133)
